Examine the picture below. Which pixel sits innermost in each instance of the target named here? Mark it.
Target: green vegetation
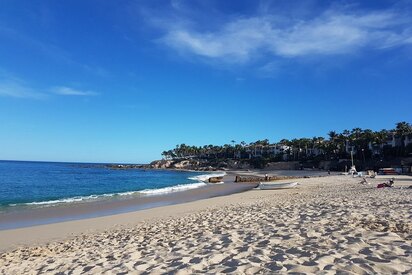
(364, 144)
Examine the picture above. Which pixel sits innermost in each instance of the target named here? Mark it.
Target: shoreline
(23, 219)
(38, 234)
(359, 229)
(23, 216)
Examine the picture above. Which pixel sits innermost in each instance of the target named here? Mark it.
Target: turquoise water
(46, 183)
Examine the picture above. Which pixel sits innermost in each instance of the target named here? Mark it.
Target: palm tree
(332, 135)
(346, 138)
(402, 130)
(233, 145)
(318, 141)
(379, 138)
(297, 146)
(238, 148)
(285, 142)
(333, 142)
(356, 133)
(341, 142)
(226, 149)
(322, 145)
(304, 143)
(368, 136)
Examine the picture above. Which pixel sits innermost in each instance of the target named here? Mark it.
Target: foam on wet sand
(329, 224)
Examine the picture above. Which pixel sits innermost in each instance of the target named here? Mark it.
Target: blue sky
(121, 81)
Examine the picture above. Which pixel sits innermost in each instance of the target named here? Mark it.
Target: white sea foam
(172, 189)
(76, 199)
(146, 192)
(206, 177)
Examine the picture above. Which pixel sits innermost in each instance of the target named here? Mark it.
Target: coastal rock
(185, 164)
(161, 164)
(198, 164)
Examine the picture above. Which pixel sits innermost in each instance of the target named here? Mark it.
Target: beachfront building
(392, 140)
(279, 149)
(273, 150)
(255, 151)
(314, 151)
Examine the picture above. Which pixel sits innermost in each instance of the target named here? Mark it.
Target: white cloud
(66, 91)
(331, 33)
(236, 40)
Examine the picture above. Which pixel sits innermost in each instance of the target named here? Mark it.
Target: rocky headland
(186, 164)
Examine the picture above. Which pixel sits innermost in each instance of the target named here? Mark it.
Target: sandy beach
(327, 225)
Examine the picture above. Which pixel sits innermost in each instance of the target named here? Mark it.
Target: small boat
(277, 185)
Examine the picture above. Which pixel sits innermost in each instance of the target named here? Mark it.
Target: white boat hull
(273, 186)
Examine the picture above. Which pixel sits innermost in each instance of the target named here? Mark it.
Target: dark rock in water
(215, 179)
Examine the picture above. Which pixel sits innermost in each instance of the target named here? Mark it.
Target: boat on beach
(276, 185)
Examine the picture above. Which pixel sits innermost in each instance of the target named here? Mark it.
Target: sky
(121, 81)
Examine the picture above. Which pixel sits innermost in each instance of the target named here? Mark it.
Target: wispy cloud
(333, 32)
(17, 88)
(67, 91)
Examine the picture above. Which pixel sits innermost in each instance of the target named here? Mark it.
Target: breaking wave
(200, 182)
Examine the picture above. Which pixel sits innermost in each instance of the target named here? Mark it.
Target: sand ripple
(330, 225)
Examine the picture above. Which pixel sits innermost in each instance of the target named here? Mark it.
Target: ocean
(39, 184)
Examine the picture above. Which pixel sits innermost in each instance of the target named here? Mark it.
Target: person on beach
(390, 183)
